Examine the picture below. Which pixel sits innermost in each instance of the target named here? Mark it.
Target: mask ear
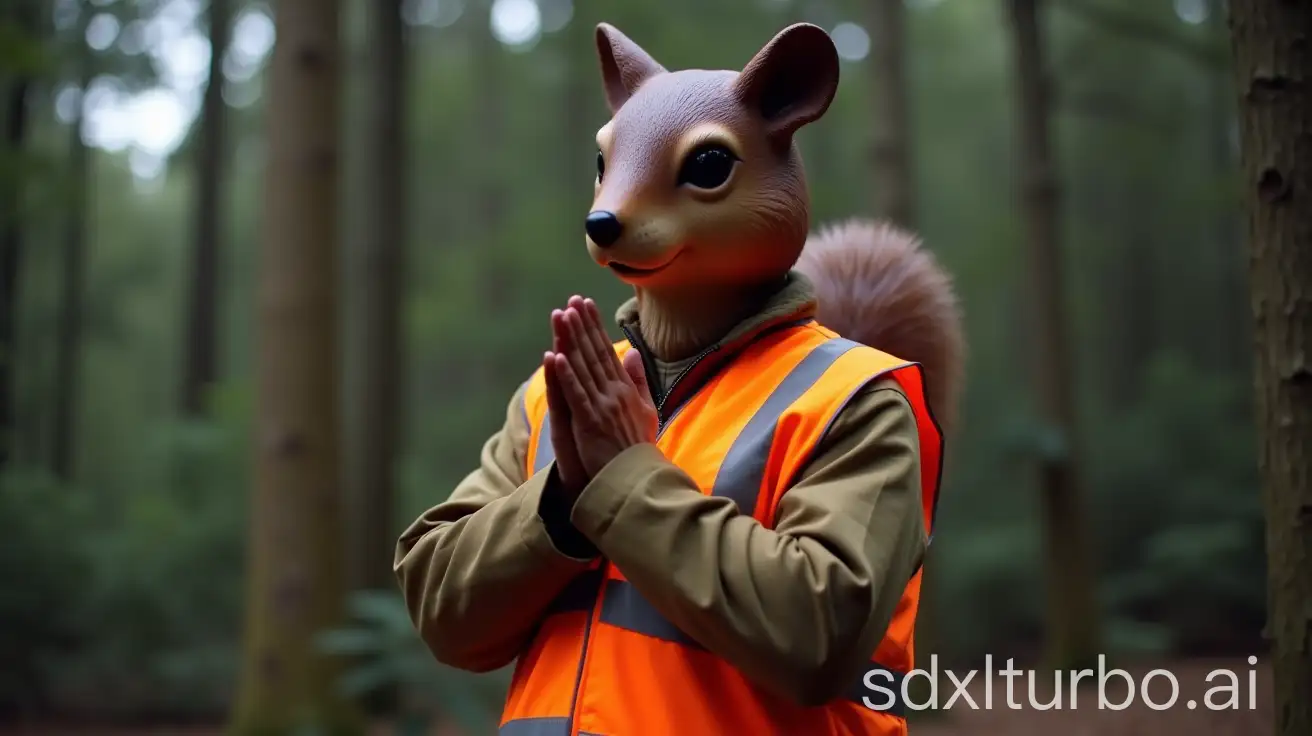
(791, 81)
(624, 65)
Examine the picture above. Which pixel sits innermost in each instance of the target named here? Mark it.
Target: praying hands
(599, 406)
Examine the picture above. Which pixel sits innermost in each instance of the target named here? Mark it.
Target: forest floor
(1086, 719)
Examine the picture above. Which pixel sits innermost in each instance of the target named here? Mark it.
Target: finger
(561, 432)
(598, 360)
(579, 400)
(576, 303)
(581, 354)
(593, 329)
(563, 334)
(562, 425)
(637, 373)
(559, 343)
(556, 402)
(604, 346)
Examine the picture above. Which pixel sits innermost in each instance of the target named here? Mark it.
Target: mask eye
(707, 167)
(601, 165)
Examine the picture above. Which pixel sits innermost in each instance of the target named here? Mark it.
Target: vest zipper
(659, 397)
(583, 654)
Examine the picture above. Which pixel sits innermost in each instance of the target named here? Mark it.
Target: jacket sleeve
(798, 609)
(478, 570)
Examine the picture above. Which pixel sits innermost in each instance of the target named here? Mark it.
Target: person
(715, 525)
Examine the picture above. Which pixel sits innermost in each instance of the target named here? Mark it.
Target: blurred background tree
(135, 224)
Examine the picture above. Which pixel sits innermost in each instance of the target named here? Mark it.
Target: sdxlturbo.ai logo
(1160, 689)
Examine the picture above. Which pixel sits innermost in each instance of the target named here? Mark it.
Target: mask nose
(603, 227)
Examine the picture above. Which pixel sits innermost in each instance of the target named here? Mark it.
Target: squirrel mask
(701, 205)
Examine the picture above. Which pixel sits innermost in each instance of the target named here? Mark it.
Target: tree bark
(201, 338)
(69, 346)
(11, 259)
(379, 337)
(1072, 616)
(11, 249)
(295, 582)
(1272, 42)
(894, 183)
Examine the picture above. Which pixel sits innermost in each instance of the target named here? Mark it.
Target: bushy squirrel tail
(876, 285)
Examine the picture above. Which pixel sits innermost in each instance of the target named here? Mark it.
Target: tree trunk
(69, 347)
(11, 248)
(894, 183)
(295, 582)
(489, 116)
(1273, 66)
(200, 341)
(1072, 617)
(1137, 283)
(11, 258)
(379, 337)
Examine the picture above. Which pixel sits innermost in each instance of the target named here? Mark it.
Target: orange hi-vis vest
(605, 662)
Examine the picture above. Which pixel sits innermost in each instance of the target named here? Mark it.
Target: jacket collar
(672, 383)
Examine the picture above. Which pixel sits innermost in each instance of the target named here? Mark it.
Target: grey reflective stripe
(882, 687)
(535, 727)
(579, 594)
(624, 607)
(743, 469)
(545, 453)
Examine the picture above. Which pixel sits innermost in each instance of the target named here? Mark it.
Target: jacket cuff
(601, 500)
(544, 520)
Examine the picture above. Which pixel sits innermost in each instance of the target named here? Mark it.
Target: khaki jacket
(478, 569)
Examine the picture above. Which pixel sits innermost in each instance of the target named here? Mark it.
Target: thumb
(637, 372)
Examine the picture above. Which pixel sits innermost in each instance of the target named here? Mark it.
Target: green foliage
(43, 568)
(22, 54)
(129, 603)
(1177, 502)
(173, 585)
(387, 653)
(1177, 528)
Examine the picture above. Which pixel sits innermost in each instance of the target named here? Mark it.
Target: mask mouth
(624, 270)
(635, 272)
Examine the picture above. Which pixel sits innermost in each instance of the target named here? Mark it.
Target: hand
(568, 466)
(609, 405)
